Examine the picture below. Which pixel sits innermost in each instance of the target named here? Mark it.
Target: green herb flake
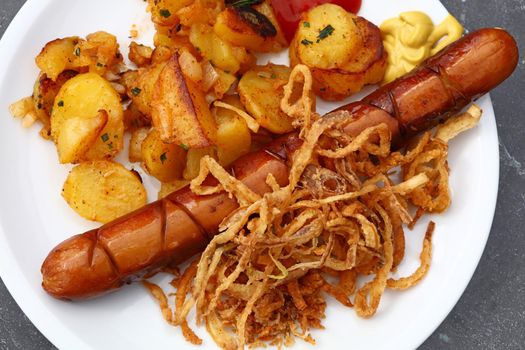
(325, 32)
(105, 137)
(165, 13)
(77, 51)
(306, 42)
(99, 64)
(274, 76)
(306, 24)
(184, 147)
(136, 91)
(60, 104)
(163, 157)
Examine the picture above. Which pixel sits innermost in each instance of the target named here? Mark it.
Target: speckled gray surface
(491, 312)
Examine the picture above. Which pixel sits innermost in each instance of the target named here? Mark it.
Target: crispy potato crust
(103, 190)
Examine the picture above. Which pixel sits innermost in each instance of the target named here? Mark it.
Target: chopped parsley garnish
(105, 137)
(163, 157)
(306, 42)
(165, 13)
(184, 147)
(136, 91)
(60, 104)
(77, 51)
(306, 24)
(325, 32)
(273, 76)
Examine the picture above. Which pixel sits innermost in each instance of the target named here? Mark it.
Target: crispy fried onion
(300, 110)
(264, 277)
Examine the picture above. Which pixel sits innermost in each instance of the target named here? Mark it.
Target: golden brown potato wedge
(248, 27)
(83, 97)
(179, 109)
(367, 65)
(233, 136)
(165, 161)
(77, 135)
(193, 160)
(261, 91)
(103, 190)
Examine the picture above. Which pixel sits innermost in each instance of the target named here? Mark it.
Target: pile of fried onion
(265, 277)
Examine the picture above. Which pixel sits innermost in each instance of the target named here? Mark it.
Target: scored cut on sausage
(173, 229)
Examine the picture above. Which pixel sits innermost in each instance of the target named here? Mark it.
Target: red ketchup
(289, 12)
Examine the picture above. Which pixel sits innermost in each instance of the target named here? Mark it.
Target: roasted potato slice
(219, 52)
(249, 27)
(77, 134)
(261, 91)
(233, 136)
(83, 97)
(179, 109)
(367, 65)
(44, 92)
(165, 161)
(98, 53)
(57, 56)
(103, 190)
(193, 161)
(327, 36)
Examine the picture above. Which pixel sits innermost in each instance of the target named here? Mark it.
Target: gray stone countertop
(491, 312)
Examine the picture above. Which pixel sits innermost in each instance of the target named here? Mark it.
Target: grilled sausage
(441, 86)
(179, 226)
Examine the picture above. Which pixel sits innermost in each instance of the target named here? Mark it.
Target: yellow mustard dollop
(412, 37)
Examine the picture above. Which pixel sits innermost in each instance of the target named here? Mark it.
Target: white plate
(34, 217)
